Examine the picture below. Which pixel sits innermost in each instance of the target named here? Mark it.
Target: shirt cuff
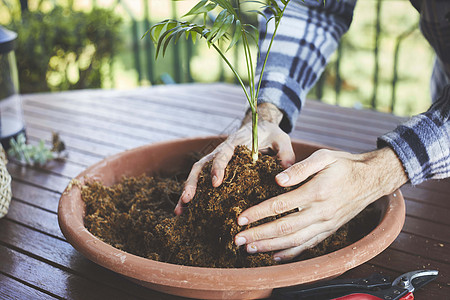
(421, 146)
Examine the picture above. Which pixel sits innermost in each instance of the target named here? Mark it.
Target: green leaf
(168, 29)
(274, 4)
(155, 31)
(237, 34)
(259, 13)
(195, 10)
(218, 23)
(194, 35)
(205, 9)
(226, 24)
(255, 1)
(226, 5)
(167, 41)
(178, 33)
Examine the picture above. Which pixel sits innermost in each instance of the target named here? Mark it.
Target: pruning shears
(375, 287)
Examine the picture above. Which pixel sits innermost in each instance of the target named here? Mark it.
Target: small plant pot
(211, 283)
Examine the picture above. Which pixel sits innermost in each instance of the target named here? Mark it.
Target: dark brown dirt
(136, 215)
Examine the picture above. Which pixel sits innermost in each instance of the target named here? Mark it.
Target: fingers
(300, 171)
(293, 252)
(285, 153)
(220, 156)
(178, 208)
(190, 186)
(281, 227)
(278, 205)
(306, 238)
(220, 162)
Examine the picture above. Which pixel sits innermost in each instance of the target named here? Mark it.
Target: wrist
(266, 112)
(388, 168)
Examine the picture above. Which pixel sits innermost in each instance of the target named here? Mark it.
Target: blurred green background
(74, 44)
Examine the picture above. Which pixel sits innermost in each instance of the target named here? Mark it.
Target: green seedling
(221, 22)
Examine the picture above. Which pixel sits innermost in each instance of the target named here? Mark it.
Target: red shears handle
(360, 296)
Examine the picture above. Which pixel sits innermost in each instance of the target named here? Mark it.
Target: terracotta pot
(211, 283)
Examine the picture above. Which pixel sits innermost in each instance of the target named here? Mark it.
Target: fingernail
(252, 249)
(240, 240)
(214, 179)
(242, 221)
(182, 194)
(282, 177)
(277, 258)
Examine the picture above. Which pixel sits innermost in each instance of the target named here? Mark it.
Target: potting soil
(136, 216)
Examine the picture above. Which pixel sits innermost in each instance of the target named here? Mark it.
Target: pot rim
(199, 278)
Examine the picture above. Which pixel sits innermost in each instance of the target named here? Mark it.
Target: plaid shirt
(307, 36)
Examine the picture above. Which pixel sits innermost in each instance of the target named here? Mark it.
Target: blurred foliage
(64, 49)
(353, 87)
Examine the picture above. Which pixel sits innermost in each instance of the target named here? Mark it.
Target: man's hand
(270, 136)
(342, 185)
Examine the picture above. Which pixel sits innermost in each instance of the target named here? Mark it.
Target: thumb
(302, 170)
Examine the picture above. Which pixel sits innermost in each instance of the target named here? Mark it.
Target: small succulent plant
(38, 154)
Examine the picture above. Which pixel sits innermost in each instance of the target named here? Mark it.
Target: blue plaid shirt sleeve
(307, 36)
(423, 142)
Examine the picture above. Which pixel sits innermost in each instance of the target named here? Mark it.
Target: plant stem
(254, 135)
(268, 49)
(255, 94)
(249, 99)
(251, 73)
(248, 68)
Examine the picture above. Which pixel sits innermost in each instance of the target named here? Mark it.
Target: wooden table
(37, 263)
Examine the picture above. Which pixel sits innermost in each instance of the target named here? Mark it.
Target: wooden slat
(34, 217)
(63, 256)
(80, 130)
(35, 196)
(427, 228)
(442, 185)
(148, 115)
(49, 278)
(424, 246)
(425, 195)
(428, 212)
(403, 262)
(11, 289)
(39, 177)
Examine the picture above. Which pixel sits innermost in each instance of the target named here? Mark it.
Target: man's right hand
(270, 136)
